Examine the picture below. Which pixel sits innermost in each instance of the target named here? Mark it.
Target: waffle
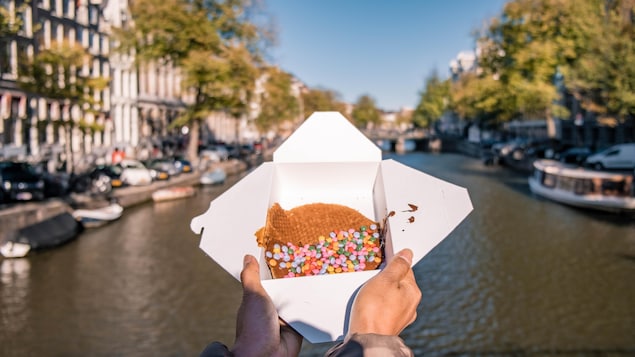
(317, 239)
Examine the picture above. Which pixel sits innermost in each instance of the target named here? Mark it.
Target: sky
(381, 48)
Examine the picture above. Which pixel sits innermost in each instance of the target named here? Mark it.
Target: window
(94, 46)
(93, 15)
(549, 180)
(66, 8)
(5, 56)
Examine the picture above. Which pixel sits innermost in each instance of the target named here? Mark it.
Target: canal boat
(49, 233)
(98, 216)
(12, 249)
(173, 193)
(213, 177)
(584, 188)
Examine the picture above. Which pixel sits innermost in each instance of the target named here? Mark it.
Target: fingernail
(246, 260)
(405, 254)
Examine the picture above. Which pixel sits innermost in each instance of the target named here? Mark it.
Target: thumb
(250, 276)
(400, 265)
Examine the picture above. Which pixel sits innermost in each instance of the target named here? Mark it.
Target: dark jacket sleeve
(216, 349)
(370, 345)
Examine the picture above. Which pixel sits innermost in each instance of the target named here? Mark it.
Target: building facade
(38, 128)
(133, 113)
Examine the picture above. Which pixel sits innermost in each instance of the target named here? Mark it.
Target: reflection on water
(521, 275)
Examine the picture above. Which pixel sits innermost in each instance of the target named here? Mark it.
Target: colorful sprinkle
(339, 251)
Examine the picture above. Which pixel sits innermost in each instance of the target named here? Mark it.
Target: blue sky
(383, 48)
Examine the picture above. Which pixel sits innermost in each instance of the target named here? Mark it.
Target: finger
(250, 276)
(404, 254)
(399, 266)
(291, 340)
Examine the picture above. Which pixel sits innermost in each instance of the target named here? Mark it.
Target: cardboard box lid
(327, 137)
(317, 306)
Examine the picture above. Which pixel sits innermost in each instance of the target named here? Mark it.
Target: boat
(584, 188)
(213, 177)
(97, 217)
(14, 249)
(49, 233)
(172, 193)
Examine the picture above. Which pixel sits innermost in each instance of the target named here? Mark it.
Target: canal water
(520, 276)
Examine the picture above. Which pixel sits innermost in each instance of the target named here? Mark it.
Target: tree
(59, 73)
(10, 24)
(482, 98)
(434, 101)
(277, 102)
(365, 112)
(528, 47)
(315, 100)
(604, 78)
(216, 44)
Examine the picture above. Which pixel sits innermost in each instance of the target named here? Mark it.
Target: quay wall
(25, 214)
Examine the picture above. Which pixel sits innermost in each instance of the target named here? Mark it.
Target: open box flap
(233, 218)
(327, 137)
(440, 207)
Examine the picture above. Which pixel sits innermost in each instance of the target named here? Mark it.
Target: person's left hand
(259, 331)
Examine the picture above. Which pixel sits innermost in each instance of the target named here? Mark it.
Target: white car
(215, 153)
(134, 173)
(620, 156)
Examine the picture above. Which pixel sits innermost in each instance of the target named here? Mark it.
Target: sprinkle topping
(340, 251)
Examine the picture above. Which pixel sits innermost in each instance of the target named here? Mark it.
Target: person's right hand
(387, 303)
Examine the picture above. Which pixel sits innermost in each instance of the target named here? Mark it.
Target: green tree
(315, 100)
(481, 99)
(10, 23)
(434, 101)
(604, 78)
(277, 102)
(57, 74)
(217, 44)
(528, 47)
(365, 112)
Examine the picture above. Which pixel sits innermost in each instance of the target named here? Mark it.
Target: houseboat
(585, 188)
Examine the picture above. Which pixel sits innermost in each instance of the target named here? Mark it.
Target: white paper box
(328, 160)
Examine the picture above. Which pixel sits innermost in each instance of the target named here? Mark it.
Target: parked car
(620, 156)
(157, 172)
(20, 182)
(574, 155)
(134, 173)
(99, 179)
(112, 171)
(214, 153)
(163, 165)
(183, 165)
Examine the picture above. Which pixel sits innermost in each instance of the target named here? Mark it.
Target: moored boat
(173, 193)
(580, 187)
(49, 233)
(12, 249)
(213, 177)
(96, 217)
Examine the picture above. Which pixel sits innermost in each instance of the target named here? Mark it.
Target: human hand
(387, 303)
(259, 331)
